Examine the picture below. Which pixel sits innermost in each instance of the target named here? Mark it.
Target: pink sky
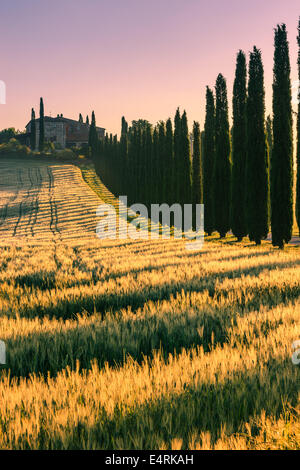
(135, 58)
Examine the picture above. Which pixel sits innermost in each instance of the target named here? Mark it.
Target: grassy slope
(142, 344)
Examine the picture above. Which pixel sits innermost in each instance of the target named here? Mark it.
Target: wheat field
(127, 344)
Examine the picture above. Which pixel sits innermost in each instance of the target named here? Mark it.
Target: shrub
(14, 148)
(65, 154)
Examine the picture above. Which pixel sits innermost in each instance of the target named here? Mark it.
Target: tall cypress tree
(168, 181)
(209, 153)
(134, 155)
(41, 127)
(87, 121)
(298, 139)
(162, 162)
(155, 167)
(124, 157)
(139, 157)
(143, 168)
(282, 154)
(257, 171)
(116, 165)
(186, 163)
(33, 130)
(222, 171)
(177, 158)
(80, 118)
(197, 186)
(148, 162)
(239, 149)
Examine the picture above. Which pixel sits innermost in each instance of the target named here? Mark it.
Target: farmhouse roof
(66, 120)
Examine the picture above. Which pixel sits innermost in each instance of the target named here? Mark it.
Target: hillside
(43, 201)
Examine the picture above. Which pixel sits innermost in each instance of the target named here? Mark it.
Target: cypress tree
(142, 161)
(80, 118)
(41, 127)
(155, 167)
(186, 163)
(147, 145)
(148, 163)
(124, 156)
(168, 180)
(282, 154)
(177, 157)
(128, 192)
(298, 139)
(115, 169)
(239, 149)
(197, 185)
(138, 160)
(222, 171)
(209, 153)
(87, 121)
(257, 172)
(134, 150)
(93, 137)
(33, 130)
(161, 162)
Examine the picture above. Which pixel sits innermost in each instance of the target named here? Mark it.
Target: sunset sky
(136, 58)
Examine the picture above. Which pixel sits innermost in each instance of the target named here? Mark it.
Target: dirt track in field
(43, 202)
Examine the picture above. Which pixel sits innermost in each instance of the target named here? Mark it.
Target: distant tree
(7, 134)
(282, 154)
(41, 127)
(80, 118)
(239, 149)
(93, 137)
(87, 121)
(257, 171)
(197, 185)
(209, 154)
(298, 138)
(222, 172)
(32, 130)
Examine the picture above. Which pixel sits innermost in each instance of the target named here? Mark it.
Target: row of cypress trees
(152, 164)
(262, 152)
(244, 175)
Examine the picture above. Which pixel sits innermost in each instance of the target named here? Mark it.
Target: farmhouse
(64, 132)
